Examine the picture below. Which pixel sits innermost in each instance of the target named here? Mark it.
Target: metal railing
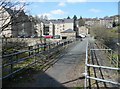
(111, 55)
(39, 53)
(88, 66)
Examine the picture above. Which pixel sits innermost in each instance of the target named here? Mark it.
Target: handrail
(34, 53)
(88, 65)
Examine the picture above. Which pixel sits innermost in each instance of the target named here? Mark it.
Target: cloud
(45, 14)
(95, 10)
(62, 4)
(52, 13)
(23, 0)
(58, 11)
(75, 1)
(71, 1)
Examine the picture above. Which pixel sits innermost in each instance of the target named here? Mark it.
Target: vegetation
(75, 17)
(107, 36)
(81, 22)
(68, 17)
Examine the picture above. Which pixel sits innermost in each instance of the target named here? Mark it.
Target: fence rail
(15, 62)
(93, 63)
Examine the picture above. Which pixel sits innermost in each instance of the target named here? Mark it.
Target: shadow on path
(83, 77)
(27, 80)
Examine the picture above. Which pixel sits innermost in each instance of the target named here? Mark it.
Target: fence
(94, 71)
(39, 53)
(111, 55)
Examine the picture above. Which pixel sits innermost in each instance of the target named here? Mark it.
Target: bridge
(63, 64)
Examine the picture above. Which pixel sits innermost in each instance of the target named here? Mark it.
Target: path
(67, 72)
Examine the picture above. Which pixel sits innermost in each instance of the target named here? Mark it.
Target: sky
(59, 10)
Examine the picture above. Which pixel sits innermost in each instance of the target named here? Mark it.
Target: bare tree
(8, 11)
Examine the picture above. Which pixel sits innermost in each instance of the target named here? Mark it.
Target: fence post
(85, 84)
(111, 57)
(29, 50)
(38, 48)
(44, 47)
(11, 66)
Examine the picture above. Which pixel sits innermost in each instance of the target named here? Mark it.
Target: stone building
(68, 34)
(15, 23)
(83, 30)
(5, 22)
(55, 27)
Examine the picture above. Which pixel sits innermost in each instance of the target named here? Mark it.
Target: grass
(79, 88)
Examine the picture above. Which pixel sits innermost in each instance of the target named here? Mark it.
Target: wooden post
(111, 57)
(44, 47)
(29, 50)
(11, 66)
(38, 48)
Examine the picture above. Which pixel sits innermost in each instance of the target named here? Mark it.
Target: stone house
(61, 25)
(83, 30)
(5, 21)
(15, 23)
(68, 34)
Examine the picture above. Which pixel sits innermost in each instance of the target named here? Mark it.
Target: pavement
(63, 68)
(66, 72)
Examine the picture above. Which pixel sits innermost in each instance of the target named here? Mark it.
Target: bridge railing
(97, 68)
(112, 55)
(15, 62)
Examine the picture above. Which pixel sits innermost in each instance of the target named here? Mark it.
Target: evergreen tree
(75, 17)
(68, 17)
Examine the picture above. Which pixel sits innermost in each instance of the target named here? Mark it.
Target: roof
(62, 21)
(68, 31)
(45, 21)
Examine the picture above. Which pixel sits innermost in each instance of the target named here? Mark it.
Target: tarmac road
(61, 70)
(66, 72)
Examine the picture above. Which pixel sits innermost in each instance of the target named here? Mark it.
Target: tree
(75, 25)
(75, 17)
(114, 24)
(81, 22)
(68, 17)
(41, 17)
(8, 11)
(46, 17)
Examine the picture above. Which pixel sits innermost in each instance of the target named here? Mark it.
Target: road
(66, 72)
(63, 71)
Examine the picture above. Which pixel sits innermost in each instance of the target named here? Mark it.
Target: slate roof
(45, 21)
(62, 21)
(68, 31)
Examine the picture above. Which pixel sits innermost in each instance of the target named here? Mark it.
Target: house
(5, 21)
(55, 27)
(83, 31)
(22, 25)
(61, 25)
(15, 23)
(106, 22)
(68, 34)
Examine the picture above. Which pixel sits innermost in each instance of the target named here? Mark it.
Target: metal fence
(95, 70)
(39, 53)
